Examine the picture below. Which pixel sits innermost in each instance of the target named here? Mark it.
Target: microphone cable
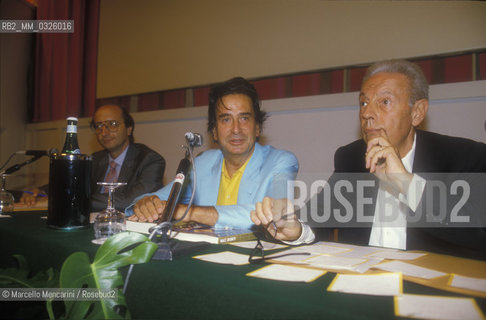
(3, 166)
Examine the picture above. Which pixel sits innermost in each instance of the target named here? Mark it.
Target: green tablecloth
(188, 288)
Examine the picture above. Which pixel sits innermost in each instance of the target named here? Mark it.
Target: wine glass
(6, 198)
(109, 221)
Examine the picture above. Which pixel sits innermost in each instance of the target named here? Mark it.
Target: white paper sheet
(334, 262)
(476, 284)
(435, 307)
(339, 245)
(368, 264)
(225, 257)
(397, 255)
(410, 270)
(267, 246)
(353, 251)
(362, 253)
(287, 273)
(321, 248)
(383, 284)
(98, 241)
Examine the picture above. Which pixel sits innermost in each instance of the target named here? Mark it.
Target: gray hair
(419, 87)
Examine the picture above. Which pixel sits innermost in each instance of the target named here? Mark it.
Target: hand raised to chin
(384, 160)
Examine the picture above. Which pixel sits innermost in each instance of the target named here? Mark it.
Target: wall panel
(154, 45)
(311, 127)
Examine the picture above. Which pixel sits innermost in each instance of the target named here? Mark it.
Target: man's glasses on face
(110, 125)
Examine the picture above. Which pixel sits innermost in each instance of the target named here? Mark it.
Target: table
(188, 288)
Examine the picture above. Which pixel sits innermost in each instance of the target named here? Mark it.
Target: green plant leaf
(19, 277)
(118, 251)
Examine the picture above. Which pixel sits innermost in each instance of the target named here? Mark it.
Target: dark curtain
(65, 63)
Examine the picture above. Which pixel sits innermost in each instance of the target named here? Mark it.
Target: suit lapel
(420, 162)
(213, 180)
(99, 169)
(360, 166)
(127, 165)
(427, 154)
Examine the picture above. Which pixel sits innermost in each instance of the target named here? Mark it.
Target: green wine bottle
(71, 144)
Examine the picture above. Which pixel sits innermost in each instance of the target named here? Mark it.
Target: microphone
(38, 153)
(182, 170)
(194, 139)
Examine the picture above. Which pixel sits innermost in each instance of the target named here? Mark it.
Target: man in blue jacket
(237, 175)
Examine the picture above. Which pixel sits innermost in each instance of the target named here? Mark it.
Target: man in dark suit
(135, 163)
(400, 161)
(121, 160)
(435, 155)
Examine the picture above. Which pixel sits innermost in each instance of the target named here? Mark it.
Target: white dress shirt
(389, 227)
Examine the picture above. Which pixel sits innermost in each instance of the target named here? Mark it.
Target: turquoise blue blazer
(266, 174)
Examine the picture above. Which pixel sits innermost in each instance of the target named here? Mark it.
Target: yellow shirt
(229, 186)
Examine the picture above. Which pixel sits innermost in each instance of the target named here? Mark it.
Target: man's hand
(148, 209)
(32, 199)
(281, 213)
(384, 161)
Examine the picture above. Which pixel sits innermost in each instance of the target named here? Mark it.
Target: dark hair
(419, 87)
(127, 119)
(236, 85)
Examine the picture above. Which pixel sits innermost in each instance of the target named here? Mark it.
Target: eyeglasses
(110, 125)
(258, 253)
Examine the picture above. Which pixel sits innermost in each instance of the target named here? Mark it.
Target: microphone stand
(161, 232)
(16, 167)
(169, 248)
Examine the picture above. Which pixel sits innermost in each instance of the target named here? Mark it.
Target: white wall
(311, 127)
(153, 45)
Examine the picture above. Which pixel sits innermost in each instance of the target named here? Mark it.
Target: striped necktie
(112, 176)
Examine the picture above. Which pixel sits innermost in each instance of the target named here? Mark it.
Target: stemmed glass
(109, 221)
(6, 198)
